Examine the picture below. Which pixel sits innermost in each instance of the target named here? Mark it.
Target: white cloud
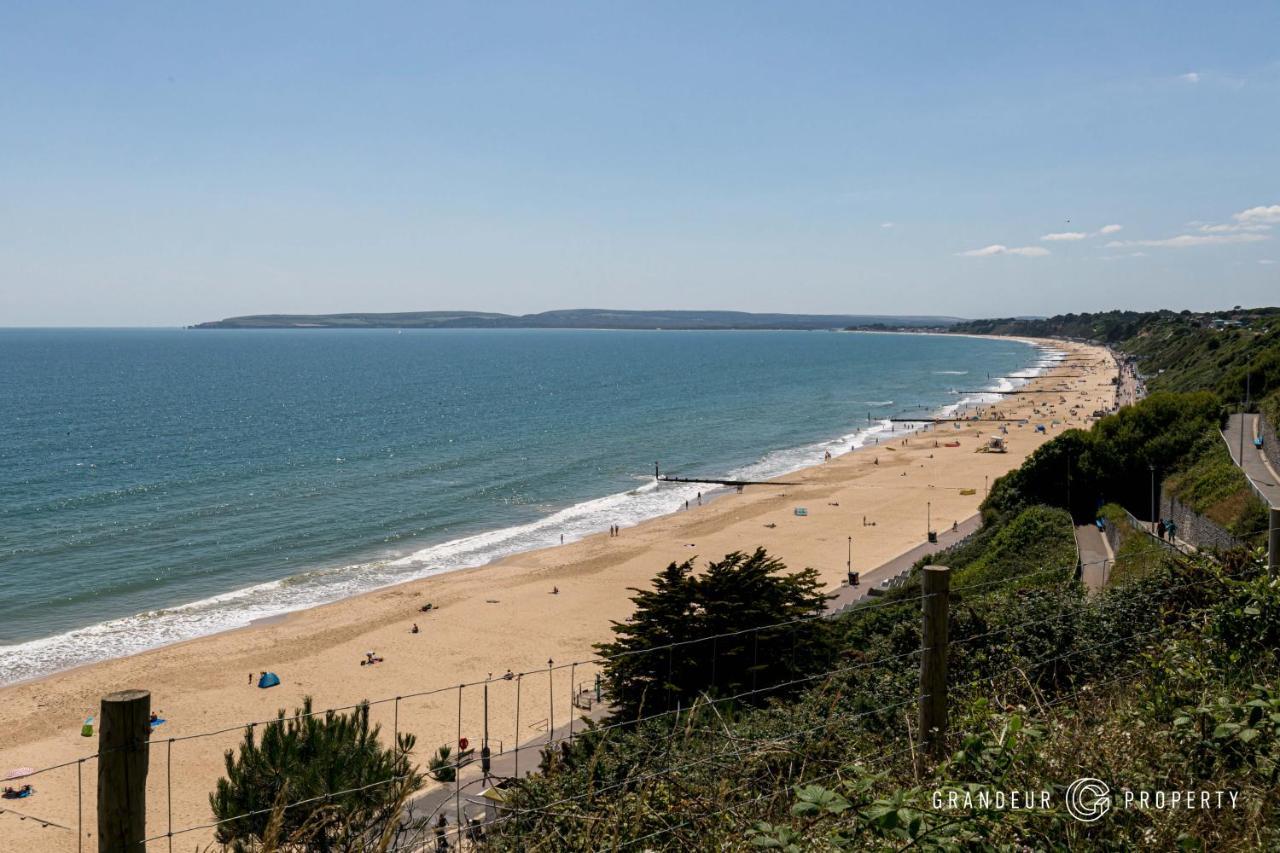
(1059, 236)
(1254, 219)
(997, 249)
(1183, 241)
(1267, 261)
(887, 224)
(1235, 226)
(1190, 77)
(1259, 216)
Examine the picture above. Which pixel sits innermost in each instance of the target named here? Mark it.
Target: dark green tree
(697, 634)
(1115, 460)
(349, 789)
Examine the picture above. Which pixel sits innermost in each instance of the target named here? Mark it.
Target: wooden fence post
(124, 733)
(935, 585)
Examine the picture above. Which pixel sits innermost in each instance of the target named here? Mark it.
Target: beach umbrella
(19, 772)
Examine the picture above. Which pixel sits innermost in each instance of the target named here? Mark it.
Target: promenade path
(1095, 556)
(846, 595)
(1255, 464)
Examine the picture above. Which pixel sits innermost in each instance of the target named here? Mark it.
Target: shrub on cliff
(348, 788)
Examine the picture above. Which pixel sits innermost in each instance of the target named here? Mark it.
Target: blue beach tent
(268, 679)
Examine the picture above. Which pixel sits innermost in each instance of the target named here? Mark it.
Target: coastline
(238, 608)
(486, 620)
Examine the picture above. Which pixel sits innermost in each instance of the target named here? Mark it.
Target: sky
(165, 164)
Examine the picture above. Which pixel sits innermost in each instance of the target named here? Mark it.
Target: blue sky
(171, 163)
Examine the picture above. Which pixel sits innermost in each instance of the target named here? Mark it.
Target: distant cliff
(578, 318)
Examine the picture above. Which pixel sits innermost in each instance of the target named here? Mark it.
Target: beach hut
(268, 679)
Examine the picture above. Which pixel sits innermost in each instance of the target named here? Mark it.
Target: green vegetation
(1269, 406)
(1215, 487)
(1137, 555)
(1109, 327)
(1038, 537)
(1114, 460)
(1208, 351)
(351, 790)
(731, 596)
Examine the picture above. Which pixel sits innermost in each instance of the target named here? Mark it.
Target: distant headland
(579, 318)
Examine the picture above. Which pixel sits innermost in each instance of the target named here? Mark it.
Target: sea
(162, 484)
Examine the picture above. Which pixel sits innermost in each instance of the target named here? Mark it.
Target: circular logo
(1088, 799)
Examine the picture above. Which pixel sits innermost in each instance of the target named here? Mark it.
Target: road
(1095, 555)
(1255, 464)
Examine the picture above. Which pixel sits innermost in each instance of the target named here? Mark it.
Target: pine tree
(350, 790)
(733, 597)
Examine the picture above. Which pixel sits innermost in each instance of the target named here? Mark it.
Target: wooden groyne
(958, 420)
(667, 478)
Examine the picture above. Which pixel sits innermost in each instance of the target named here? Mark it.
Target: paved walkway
(1095, 556)
(1255, 464)
(441, 799)
(846, 594)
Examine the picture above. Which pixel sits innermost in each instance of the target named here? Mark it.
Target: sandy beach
(501, 617)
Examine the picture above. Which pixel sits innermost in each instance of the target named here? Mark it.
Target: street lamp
(848, 566)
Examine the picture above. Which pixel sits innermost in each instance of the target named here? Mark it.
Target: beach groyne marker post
(935, 587)
(124, 733)
(551, 705)
(485, 754)
(519, 679)
(457, 770)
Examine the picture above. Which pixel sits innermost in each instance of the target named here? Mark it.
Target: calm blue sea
(156, 485)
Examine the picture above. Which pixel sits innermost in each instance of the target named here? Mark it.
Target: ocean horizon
(159, 485)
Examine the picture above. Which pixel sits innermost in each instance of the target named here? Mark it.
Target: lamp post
(848, 563)
(1243, 405)
(928, 518)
